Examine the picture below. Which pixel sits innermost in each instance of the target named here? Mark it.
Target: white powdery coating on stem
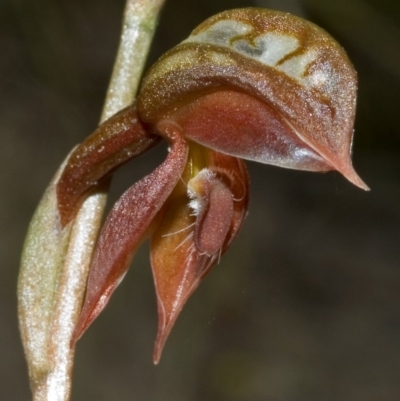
(47, 324)
(70, 292)
(140, 18)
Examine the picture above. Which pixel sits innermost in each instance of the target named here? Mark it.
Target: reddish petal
(125, 229)
(186, 245)
(301, 74)
(243, 126)
(177, 269)
(116, 141)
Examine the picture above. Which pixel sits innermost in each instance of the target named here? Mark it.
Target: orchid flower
(247, 84)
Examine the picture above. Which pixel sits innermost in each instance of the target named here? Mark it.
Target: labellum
(247, 84)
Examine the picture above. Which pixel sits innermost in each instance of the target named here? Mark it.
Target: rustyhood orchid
(247, 84)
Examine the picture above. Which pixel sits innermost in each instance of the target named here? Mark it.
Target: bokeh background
(305, 306)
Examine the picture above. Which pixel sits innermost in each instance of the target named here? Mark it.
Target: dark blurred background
(305, 306)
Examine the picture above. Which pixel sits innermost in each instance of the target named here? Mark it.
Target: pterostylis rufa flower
(247, 84)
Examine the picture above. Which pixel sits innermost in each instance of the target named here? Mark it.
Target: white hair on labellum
(196, 202)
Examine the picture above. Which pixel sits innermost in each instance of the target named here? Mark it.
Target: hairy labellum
(212, 204)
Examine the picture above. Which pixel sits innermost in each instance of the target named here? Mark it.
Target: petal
(117, 140)
(125, 229)
(300, 73)
(243, 126)
(177, 268)
(192, 236)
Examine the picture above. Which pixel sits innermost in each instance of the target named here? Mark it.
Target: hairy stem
(55, 260)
